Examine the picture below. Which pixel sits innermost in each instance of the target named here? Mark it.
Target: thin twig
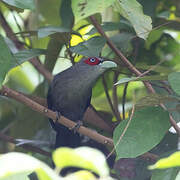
(109, 99)
(9, 31)
(157, 27)
(7, 127)
(115, 96)
(25, 146)
(17, 24)
(124, 131)
(166, 87)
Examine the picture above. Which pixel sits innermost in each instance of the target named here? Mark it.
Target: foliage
(27, 165)
(59, 33)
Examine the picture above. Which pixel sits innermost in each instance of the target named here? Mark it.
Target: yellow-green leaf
(83, 9)
(83, 157)
(14, 163)
(171, 161)
(81, 175)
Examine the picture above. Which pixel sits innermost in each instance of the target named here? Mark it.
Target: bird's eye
(92, 60)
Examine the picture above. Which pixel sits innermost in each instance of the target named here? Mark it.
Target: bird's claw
(76, 127)
(58, 115)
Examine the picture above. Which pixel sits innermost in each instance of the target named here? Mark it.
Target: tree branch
(5, 91)
(90, 114)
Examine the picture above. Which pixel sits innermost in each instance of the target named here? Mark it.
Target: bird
(70, 94)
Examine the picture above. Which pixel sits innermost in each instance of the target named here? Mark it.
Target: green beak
(108, 64)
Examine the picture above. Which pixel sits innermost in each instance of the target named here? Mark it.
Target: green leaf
(25, 55)
(160, 69)
(132, 10)
(83, 157)
(66, 14)
(146, 129)
(165, 174)
(125, 80)
(22, 4)
(154, 99)
(144, 78)
(174, 80)
(18, 176)
(91, 47)
(164, 15)
(123, 42)
(111, 26)
(26, 165)
(82, 175)
(48, 30)
(152, 78)
(154, 35)
(6, 59)
(83, 9)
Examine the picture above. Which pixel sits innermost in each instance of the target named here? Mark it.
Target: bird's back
(70, 101)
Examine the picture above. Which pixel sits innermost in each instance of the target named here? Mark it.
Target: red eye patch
(93, 61)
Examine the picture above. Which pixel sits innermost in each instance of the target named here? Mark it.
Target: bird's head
(89, 69)
(95, 65)
(85, 73)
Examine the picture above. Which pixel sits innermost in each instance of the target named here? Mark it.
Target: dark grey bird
(70, 95)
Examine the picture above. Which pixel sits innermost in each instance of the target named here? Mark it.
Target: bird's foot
(77, 126)
(58, 115)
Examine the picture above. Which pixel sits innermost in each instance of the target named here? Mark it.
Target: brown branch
(92, 117)
(25, 146)
(113, 47)
(88, 116)
(5, 91)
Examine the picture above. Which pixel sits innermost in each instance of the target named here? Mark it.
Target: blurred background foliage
(46, 32)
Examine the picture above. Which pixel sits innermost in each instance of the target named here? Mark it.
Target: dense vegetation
(135, 104)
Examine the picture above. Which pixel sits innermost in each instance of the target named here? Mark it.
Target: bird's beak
(108, 64)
